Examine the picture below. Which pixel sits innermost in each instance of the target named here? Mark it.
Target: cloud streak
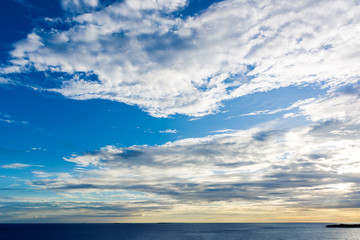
(18, 166)
(7, 119)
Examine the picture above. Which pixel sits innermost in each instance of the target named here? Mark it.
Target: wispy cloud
(7, 118)
(79, 6)
(4, 80)
(168, 131)
(224, 131)
(66, 3)
(37, 149)
(18, 166)
(268, 112)
(232, 49)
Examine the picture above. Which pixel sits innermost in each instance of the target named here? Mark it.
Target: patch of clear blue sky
(19, 17)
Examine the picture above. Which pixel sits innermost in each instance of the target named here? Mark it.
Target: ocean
(175, 231)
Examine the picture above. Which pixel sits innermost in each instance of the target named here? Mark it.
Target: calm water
(175, 231)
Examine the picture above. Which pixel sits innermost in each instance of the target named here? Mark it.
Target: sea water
(175, 231)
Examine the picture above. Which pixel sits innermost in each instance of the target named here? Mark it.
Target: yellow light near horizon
(249, 215)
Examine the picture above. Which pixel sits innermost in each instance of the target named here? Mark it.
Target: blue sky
(189, 111)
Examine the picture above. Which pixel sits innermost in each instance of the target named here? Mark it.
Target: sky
(179, 111)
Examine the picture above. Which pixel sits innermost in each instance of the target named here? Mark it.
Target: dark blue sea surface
(175, 231)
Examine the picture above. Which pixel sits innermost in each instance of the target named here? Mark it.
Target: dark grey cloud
(68, 211)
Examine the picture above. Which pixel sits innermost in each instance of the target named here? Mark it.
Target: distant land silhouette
(343, 225)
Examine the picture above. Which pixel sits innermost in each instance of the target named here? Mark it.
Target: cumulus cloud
(142, 54)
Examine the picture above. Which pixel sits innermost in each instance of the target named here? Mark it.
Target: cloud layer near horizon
(310, 166)
(143, 54)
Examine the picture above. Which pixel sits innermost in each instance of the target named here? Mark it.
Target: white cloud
(169, 65)
(19, 166)
(291, 107)
(30, 44)
(165, 5)
(223, 131)
(4, 80)
(7, 118)
(168, 131)
(78, 5)
(38, 149)
(15, 166)
(337, 107)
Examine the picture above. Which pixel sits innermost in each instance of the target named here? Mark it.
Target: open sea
(175, 231)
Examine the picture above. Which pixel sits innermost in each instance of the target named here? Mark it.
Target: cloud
(223, 131)
(29, 210)
(294, 167)
(142, 54)
(79, 5)
(168, 131)
(37, 149)
(291, 107)
(337, 107)
(343, 106)
(18, 166)
(4, 80)
(286, 168)
(7, 118)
